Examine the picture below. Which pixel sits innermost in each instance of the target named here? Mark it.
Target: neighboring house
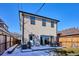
(42, 30)
(3, 26)
(69, 38)
(6, 39)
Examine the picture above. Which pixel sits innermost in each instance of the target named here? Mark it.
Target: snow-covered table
(34, 51)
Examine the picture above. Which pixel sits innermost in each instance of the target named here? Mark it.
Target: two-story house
(41, 29)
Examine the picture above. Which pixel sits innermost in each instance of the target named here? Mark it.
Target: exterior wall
(69, 41)
(37, 29)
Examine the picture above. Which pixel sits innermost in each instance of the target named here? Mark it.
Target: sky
(66, 13)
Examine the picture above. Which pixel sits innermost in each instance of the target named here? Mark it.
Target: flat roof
(39, 16)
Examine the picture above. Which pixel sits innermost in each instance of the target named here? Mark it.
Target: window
(52, 24)
(32, 19)
(5, 27)
(43, 22)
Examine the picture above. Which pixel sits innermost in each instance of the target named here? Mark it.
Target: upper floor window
(32, 20)
(52, 24)
(43, 22)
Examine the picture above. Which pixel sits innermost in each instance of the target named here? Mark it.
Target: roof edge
(39, 15)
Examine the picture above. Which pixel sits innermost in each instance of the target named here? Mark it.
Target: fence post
(10, 41)
(5, 42)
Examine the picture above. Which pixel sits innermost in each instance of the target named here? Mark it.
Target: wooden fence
(6, 41)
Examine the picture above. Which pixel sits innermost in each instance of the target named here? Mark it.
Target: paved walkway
(34, 51)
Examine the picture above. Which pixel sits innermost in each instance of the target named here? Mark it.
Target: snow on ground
(18, 52)
(29, 52)
(44, 47)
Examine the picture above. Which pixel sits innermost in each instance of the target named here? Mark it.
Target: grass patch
(75, 50)
(68, 51)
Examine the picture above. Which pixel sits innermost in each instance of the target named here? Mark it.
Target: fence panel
(6, 42)
(11, 41)
(2, 48)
